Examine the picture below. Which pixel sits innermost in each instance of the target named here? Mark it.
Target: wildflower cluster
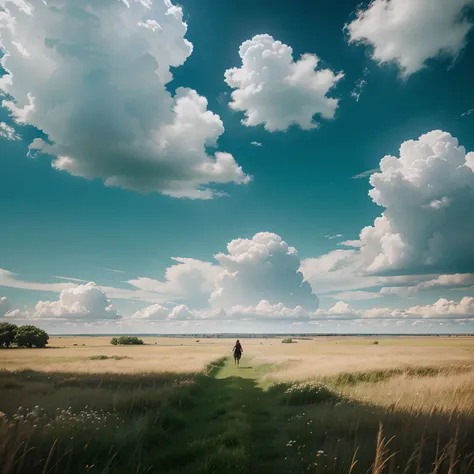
(307, 392)
(33, 416)
(85, 418)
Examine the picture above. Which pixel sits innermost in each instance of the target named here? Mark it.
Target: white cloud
(262, 268)
(360, 86)
(276, 91)
(425, 229)
(365, 174)
(356, 295)
(181, 313)
(8, 132)
(83, 303)
(428, 194)
(113, 270)
(70, 279)
(190, 279)
(357, 91)
(332, 237)
(155, 312)
(10, 280)
(409, 32)
(456, 280)
(444, 308)
(468, 112)
(94, 77)
(441, 309)
(337, 270)
(267, 311)
(341, 308)
(5, 306)
(256, 143)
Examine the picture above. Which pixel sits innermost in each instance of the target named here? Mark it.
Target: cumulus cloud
(444, 308)
(83, 303)
(190, 279)
(425, 229)
(5, 306)
(256, 143)
(154, 312)
(409, 32)
(441, 309)
(337, 270)
(276, 91)
(93, 78)
(262, 268)
(428, 196)
(8, 132)
(264, 310)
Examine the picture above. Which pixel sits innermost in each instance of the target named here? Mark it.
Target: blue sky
(102, 104)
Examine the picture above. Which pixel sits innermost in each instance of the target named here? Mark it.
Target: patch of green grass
(104, 357)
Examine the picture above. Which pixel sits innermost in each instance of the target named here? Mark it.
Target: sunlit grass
(400, 411)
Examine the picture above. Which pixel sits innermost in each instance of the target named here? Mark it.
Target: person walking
(237, 350)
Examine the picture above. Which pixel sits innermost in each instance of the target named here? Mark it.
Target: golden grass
(330, 356)
(72, 354)
(451, 394)
(419, 389)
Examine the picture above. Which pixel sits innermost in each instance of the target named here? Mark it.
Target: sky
(237, 166)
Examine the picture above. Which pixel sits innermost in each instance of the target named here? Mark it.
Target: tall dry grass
(402, 406)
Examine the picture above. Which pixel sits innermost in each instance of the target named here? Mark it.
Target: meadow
(178, 405)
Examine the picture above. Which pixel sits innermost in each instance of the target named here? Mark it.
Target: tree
(7, 334)
(126, 340)
(31, 336)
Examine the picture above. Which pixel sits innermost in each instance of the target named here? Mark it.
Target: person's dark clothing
(237, 350)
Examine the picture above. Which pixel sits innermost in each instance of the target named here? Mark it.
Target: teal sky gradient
(55, 224)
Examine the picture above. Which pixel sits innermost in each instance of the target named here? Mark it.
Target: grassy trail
(234, 427)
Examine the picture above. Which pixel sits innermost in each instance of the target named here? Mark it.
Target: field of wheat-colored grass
(327, 405)
(73, 354)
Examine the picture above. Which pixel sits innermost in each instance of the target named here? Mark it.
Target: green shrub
(7, 334)
(288, 340)
(126, 340)
(104, 357)
(31, 336)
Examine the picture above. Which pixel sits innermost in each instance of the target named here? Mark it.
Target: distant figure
(237, 350)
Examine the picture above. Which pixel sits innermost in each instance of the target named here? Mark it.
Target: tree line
(23, 336)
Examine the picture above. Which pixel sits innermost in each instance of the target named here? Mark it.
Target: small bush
(126, 340)
(375, 342)
(288, 340)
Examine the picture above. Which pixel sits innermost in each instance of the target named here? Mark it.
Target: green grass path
(234, 427)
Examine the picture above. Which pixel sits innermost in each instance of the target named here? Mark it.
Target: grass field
(326, 405)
